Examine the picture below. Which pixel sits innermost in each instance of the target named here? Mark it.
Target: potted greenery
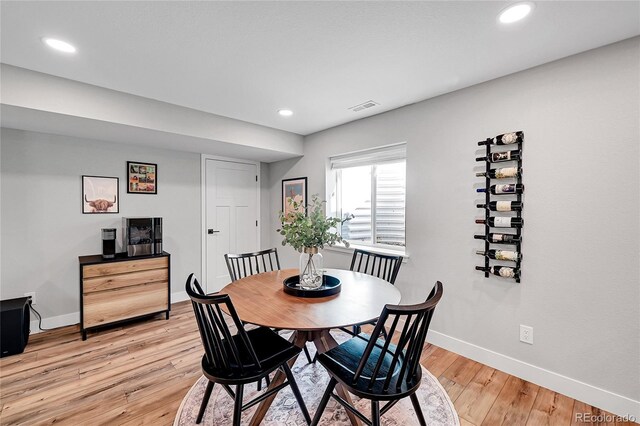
(308, 230)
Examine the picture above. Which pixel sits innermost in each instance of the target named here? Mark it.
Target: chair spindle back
(406, 354)
(379, 265)
(221, 350)
(245, 264)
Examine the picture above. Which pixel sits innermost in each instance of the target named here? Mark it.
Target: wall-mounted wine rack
(508, 168)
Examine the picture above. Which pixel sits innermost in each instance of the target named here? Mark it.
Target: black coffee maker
(108, 243)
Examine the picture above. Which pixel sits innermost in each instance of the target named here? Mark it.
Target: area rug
(312, 379)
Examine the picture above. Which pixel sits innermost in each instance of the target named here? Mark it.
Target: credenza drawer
(99, 270)
(103, 307)
(111, 282)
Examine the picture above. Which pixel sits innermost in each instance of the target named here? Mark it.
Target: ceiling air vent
(364, 105)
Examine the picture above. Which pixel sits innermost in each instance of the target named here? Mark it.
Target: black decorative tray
(330, 286)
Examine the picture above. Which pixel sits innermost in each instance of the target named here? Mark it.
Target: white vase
(311, 271)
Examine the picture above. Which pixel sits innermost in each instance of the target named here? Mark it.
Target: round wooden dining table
(260, 299)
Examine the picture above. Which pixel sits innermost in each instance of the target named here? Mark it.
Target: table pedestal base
(323, 341)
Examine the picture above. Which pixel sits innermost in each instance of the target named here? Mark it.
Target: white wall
(580, 274)
(44, 230)
(265, 206)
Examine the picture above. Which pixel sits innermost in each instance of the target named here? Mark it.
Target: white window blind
(386, 154)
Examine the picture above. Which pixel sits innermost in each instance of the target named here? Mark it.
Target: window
(369, 187)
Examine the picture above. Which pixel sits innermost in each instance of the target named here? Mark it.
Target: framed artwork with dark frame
(100, 194)
(296, 190)
(142, 178)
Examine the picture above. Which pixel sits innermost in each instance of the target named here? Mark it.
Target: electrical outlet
(32, 296)
(526, 334)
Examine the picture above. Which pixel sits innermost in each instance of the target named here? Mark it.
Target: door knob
(211, 231)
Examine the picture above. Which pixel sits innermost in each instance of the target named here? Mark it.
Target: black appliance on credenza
(142, 235)
(108, 243)
(14, 326)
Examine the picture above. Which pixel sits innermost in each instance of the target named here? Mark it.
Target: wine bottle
(499, 238)
(503, 222)
(502, 206)
(505, 139)
(513, 256)
(509, 188)
(502, 173)
(501, 271)
(497, 157)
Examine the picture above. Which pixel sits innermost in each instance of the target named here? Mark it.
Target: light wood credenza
(123, 288)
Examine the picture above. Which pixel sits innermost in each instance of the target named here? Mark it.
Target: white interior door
(231, 212)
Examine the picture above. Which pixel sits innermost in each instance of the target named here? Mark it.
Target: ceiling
(246, 60)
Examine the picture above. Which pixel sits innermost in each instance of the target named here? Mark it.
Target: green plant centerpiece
(308, 230)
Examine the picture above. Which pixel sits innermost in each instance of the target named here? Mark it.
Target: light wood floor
(139, 373)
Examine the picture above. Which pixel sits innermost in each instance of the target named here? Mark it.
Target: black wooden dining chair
(379, 265)
(245, 264)
(240, 358)
(378, 370)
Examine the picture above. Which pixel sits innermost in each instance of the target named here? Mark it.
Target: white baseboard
(179, 296)
(74, 317)
(592, 395)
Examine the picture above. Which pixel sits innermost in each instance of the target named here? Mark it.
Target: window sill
(379, 250)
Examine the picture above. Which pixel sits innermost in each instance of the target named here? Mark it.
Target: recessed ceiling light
(285, 112)
(515, 12)
(60, 45)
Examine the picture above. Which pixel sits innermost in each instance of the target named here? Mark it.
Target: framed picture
(296, 190)
(100, 194)
(142, 178)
